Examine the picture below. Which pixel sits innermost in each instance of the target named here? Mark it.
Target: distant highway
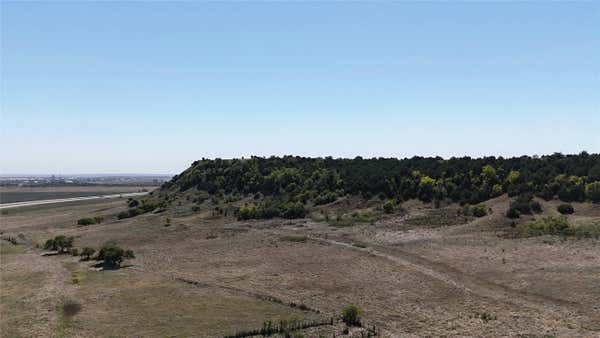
(64, 200)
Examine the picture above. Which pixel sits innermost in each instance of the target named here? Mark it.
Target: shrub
(61, 243)
(90, 220)
(523, 204)
(535, 206)
(70, 308)
(351, 315)
(85, 221)
(113, 255)
(270, 209)
(87, 252)
(478, 210)
(294, 238)
(325, 197)
(496, 190)
(389, 206)
(512, 213)
(546, 226)
(565, 209)
(74, 252)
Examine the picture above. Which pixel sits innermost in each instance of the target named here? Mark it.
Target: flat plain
(424, 272)
(23, 194)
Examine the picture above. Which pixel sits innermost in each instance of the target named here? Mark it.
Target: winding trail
(460, 280)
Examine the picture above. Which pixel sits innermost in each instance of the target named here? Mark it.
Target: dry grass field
(424, 272)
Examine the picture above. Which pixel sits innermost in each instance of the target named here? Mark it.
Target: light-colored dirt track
(455, 278)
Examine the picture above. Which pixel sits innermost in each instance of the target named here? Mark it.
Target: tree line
(290, 181)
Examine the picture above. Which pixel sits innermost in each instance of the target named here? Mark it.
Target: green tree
(592, 191)
(113, 255)
(61, 243)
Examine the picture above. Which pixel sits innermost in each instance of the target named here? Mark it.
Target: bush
(351, 315)
(295, 238)
(478, 210)
(70, 308)
(85, 221)
(113, 255)
(74, 252)
(512, 213)
(525, 205)
(90, 221)
(389, 206)
(272, 208)
(546, 226)
(61, 243)
(535, 206)
(87, 252)
(565, 209)
(325, 197)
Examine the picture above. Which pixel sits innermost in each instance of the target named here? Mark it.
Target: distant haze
(151, 87)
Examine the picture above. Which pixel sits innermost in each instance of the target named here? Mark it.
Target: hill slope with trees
(286, 186)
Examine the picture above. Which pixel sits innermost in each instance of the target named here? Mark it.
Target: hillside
(290, 186)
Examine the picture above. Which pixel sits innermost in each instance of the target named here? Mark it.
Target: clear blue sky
(151, 87)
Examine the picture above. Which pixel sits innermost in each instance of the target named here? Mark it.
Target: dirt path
(455, 278)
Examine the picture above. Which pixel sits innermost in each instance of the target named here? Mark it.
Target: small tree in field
(61, 243)
(113, 255)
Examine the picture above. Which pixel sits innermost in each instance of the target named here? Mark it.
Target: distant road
(64, 200)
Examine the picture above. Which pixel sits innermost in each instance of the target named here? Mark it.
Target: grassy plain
(421, 272)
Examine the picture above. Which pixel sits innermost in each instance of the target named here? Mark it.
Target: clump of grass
(356, 217)
(295, 238)
(69, 308)
(359, 245)
(366, 217)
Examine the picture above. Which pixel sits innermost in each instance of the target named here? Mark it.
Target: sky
(149, 87)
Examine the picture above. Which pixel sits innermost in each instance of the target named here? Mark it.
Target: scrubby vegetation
(272, 208)
(478, 210)
(138, 208)
(523, 205)
(113, 255)
(294, 238)
(90, 220)
(282, 326)
(351, 315)
(61, 244)
(558, 226)
(565, 209)
(87, 253)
